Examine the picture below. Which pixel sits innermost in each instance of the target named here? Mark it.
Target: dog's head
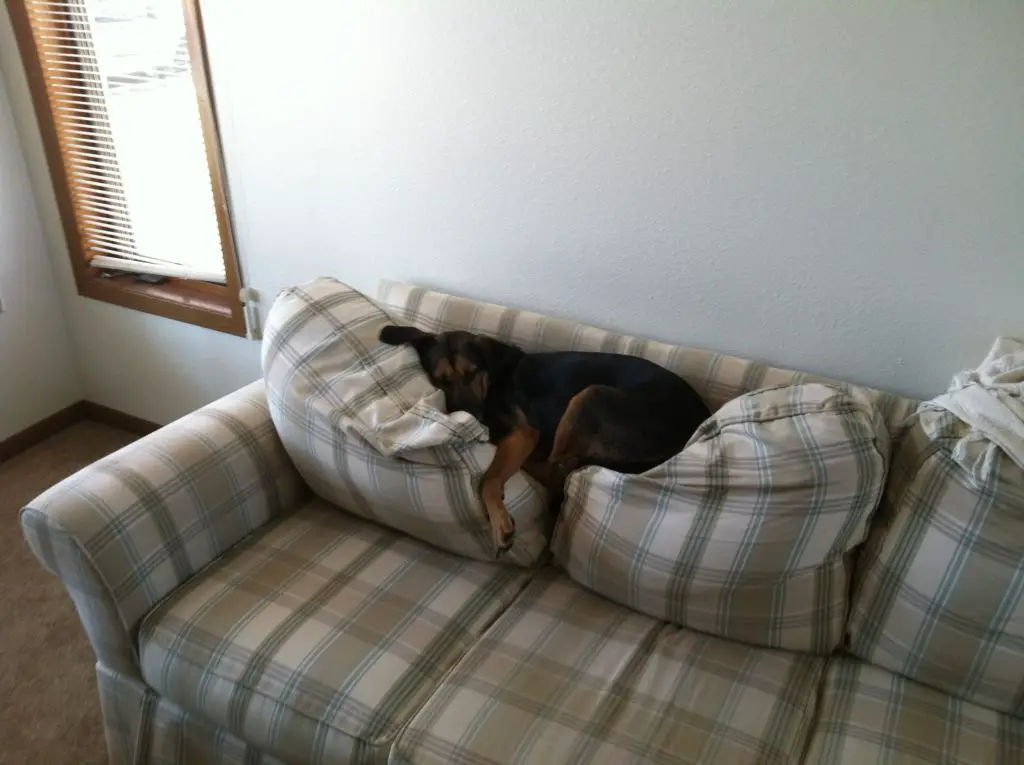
(463, 365)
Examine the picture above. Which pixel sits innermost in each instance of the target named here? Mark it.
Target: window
(123, 101)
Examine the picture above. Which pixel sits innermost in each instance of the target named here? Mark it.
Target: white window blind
(120, 88)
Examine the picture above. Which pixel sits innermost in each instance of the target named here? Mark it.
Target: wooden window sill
(200, 303)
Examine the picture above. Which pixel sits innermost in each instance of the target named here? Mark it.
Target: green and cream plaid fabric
(716, 377)
(319, 637)
(869, 715)
(142, 728)
(565, 676)
(126, 531)
(746, 533)
(368, 431)
(940, 594)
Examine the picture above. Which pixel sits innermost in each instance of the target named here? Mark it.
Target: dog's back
(640, 412)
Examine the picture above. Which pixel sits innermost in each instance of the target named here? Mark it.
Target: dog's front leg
(513, 450)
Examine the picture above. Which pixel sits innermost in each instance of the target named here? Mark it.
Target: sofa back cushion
(940, 590)
(368, 432)
(718, 378)
(745, 534)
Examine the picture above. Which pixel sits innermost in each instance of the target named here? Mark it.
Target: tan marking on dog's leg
(565, 450)
(582, 441)
(513, 451)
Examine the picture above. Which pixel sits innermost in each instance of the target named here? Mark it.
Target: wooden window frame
(214, 306)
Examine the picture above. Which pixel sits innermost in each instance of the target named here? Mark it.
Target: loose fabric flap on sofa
(368, 431)
(746, 533)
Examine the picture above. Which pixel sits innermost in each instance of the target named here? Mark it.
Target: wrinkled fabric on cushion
(869, 715)
(991, 400)
(940, 592)
(745, 534)
(565, 676)
(368, 431)
(321, 636)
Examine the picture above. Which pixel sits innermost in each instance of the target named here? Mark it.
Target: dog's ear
(394, 335)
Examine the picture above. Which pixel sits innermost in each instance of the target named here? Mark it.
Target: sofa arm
(124, 532)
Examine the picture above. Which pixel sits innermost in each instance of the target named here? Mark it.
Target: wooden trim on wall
(115, 418)
(70, 415)
(198, 303)
(216, 307)
(40, 431)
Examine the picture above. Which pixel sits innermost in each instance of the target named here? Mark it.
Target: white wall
(37, 369)
(836, 188)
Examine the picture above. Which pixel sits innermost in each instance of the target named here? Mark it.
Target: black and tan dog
(549, 413)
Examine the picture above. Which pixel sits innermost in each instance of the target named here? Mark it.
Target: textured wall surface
(835, 188)
(37, 369)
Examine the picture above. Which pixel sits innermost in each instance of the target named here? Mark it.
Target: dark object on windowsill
(150, 278)
(113, 273)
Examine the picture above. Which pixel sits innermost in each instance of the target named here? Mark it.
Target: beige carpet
(49, 710)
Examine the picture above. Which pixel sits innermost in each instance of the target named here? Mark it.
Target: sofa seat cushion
(565, 676)
(747, 533)
(319, 637)
(367, 429)
(869, 715)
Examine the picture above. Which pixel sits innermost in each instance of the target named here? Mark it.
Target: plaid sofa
(236, 618)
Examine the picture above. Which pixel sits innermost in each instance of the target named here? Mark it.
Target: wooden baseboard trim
(68, 416)
(117, 419)
(40, 431)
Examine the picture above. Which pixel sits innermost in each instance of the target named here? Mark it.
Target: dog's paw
(503, 531)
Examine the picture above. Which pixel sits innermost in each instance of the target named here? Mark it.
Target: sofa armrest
(129, 529)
